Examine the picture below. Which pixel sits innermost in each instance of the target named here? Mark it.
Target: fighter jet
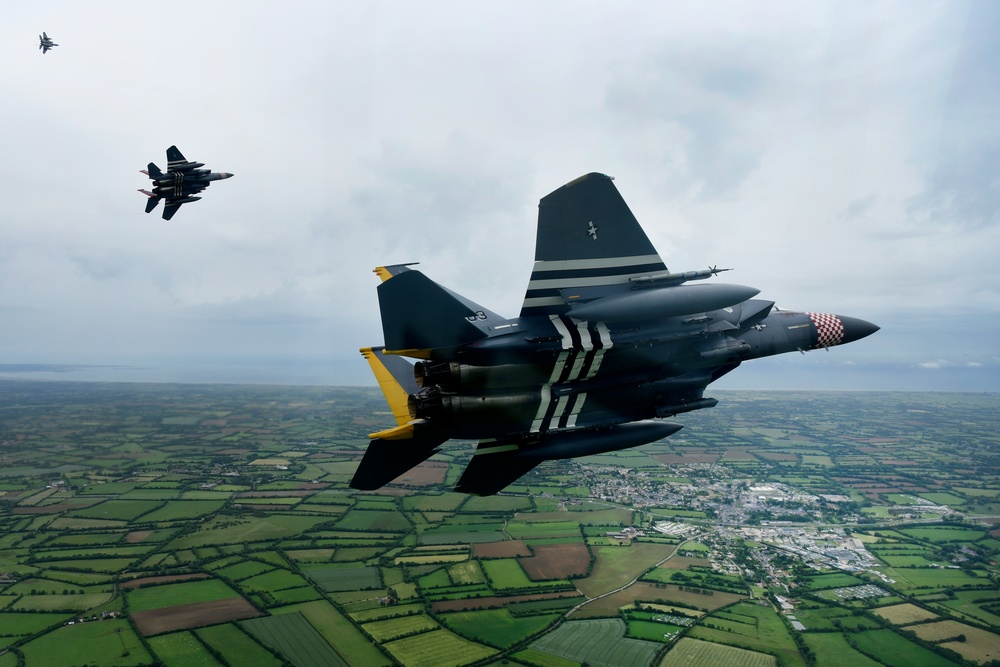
(178, 186)
(607, 345)
(46, 43)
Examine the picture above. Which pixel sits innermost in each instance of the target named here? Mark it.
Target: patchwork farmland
(209, 525)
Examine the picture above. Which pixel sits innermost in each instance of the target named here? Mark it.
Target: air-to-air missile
(607, 344)
(179, 184)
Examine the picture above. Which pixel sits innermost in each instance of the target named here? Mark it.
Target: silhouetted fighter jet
(178, 186)
(45, 43)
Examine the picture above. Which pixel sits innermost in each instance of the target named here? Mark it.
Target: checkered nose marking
(829, 329)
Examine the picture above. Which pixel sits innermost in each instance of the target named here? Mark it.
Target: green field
(124, 510)
(696, 653)
(77, 603)
(19, 625)
(893, 650)
(940, 534)
(496, 627)
(394, 628)
(182, 649)
(824, 581)
(177, 510)
(438, 648)
(753, 627)
(597, 642)
(230, 530)
(105, 643)
(345, 578)
(340, 632)
(832, 650)
(389, 521)
(616, 566)
(169, 595)
(243, 569)
(378, 613)
(236, 647)
(294, 637)
(506, 574)
(275, 580)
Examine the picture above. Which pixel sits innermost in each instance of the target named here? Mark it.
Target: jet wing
(495, 465)
(385, 460)
(170, 207)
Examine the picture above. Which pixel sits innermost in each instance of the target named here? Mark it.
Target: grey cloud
(963, 182)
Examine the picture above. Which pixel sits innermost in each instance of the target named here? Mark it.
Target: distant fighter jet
(607, 344)
(178, 186)
(46, 43)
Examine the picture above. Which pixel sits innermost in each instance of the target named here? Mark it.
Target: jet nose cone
(226, 174)
(856, 329)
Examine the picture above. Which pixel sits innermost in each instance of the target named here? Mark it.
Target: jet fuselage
(608, 343)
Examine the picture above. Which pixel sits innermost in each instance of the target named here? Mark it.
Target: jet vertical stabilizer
(419, 316)
(588, 245)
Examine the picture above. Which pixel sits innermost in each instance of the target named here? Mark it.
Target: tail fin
(418, 315)
(154, 172)
(392, 452)
(174, 155)
(395, 378)
(588, 245)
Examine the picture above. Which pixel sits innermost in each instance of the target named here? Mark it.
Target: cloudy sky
(842, 157)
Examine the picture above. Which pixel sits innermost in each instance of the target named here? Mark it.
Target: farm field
(696, 653)
(598, 642)
(209, 525)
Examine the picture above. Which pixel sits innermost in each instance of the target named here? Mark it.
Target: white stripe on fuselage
(600, 263)
(606, 344)
(577, 407)
(543, 407)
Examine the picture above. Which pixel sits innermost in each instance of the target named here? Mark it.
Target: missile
(654, 303)
(572, 444)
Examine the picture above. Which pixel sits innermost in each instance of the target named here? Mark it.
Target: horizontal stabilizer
(419, 314)
(495, 465)
(386, 460)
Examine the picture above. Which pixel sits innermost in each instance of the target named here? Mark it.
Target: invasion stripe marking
(567, 337)
(651, 270)
(543, 407)
(605, 345)
(560, 410)
(494, 449)
(596, 281)
(599, 263)
(577, 407)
